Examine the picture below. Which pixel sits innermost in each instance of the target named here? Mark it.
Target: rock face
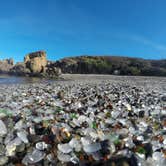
(69, 65)
(116, 65)
(6, 65)
(51, 70)
(38, 65)
(20, 70)
(36, 62)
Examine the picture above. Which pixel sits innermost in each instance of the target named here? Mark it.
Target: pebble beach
(84, 120)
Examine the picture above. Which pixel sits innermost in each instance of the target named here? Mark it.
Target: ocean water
(5, 79)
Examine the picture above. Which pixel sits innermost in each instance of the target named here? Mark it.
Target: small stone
(3, 129)
(141, 114)
(64, 148)
(61, 95)
(91, 148)
(164, 142)
(41, 145)
(3, 160)
(35, 156)
(163, 98)
(23, 136)
(64, 157)
(157, 156)
(2, 149)
(19, 125)
(10, 149)
(74, 143)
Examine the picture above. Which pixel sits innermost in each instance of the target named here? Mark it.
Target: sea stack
(36, 61)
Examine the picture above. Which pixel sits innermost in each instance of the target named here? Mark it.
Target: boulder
(6, 65)
(36, 61)
(20, 69)
(51, 70)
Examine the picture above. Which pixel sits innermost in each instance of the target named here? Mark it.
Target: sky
(65, 28)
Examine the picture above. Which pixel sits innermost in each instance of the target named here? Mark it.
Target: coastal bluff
(35, 64)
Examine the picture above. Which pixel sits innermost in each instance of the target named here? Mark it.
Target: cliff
(112, 65)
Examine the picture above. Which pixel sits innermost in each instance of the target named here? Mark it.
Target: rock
(52, 70)
(77, 128)
(3, 160)
(36, 61)
(11, 147)
(61, 95)
(163, 98)
(75, 144)
(63, 157)
(23, 136)
(35, 64)
(41, 145)
(64, 148)
(33, 157)
(19, 69)
(6, 65)
(91, 148)
(3, 129)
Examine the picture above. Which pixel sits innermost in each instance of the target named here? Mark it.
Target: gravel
(84, 120)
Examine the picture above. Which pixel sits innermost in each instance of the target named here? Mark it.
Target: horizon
(65, 28)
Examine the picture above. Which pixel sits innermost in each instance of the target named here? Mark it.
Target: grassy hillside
(112, 65)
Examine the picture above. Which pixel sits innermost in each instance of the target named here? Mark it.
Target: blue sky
(78, 27)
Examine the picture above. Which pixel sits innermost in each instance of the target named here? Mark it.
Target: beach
(83, 119)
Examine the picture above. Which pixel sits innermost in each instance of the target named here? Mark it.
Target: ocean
(5, 79)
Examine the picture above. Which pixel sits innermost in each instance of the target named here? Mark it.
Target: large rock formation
(51, 70)
(36, 62)
(20, 69)
(6, 65)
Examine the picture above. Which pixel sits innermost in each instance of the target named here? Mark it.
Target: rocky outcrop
(68, 65)
(51, 70)
(6, 65)
(36, 62)
(20, 69)
(112, 65)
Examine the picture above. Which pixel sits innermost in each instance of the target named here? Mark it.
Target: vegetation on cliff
(112, 65)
